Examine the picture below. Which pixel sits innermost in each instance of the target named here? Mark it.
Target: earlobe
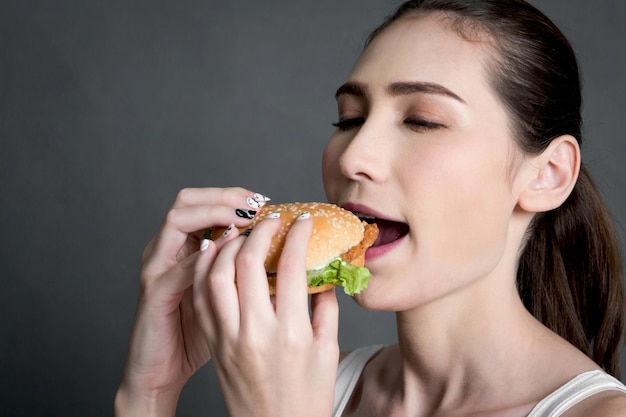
(553, 174)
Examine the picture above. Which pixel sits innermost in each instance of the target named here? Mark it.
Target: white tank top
(580, 387)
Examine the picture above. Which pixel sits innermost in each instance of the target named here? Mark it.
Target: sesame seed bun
(335, 232)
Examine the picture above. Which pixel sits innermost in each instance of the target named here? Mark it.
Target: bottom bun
(271, 280)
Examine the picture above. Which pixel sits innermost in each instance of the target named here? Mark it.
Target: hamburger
(336, 251)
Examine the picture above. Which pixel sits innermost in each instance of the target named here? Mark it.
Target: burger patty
(356, 254)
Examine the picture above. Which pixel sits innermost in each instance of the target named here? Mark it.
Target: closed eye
(347, 124)
(420, 125)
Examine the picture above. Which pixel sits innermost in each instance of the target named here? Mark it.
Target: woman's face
(423, 143)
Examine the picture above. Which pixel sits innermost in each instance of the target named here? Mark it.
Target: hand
(166, 345)
(271, 358)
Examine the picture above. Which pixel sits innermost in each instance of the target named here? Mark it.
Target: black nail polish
(245, 213)
(246, 233)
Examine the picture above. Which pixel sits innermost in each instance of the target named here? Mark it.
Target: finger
(233, 196)
(251, 275)
(168, 289)
(291, 282)
(230, 233)
(244, 202)
(191, 197)
(201, 293)
(325, 316)
(169, 246)
(190, 325)
(222, 291)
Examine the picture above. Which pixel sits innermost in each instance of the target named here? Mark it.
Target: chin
(378, 296)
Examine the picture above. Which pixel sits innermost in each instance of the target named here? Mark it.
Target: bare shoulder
(606, 404)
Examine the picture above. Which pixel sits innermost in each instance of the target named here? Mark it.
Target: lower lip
(376, 252)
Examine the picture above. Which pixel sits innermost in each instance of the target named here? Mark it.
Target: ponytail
(570, 275)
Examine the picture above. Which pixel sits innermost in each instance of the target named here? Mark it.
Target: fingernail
(254, 204)
(257, 200)
(304, 216)
(246, 233)
(245, 213)
(274, 215)
(261, 198)
(228, 230)
(205, 244)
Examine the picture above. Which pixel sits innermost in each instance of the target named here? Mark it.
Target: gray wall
(107, 109)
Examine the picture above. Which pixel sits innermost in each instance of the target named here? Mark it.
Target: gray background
(107, 109)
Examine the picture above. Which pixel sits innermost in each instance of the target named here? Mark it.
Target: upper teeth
(364, 216)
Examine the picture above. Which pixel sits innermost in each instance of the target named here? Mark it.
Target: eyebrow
(399, 89)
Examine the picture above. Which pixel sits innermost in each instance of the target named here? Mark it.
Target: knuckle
(246, 260)
(183, 195)
(149, 274)
(328, 348)
(147, 286)
(230, 194)
(293, 339)
(291, 263)
(172, 217)
(219, 283)
(147, 252)
(286, 259)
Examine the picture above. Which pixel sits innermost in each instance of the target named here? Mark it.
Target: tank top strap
(348, 374)
(577, 389)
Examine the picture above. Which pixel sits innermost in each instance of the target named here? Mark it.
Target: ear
(551, 175)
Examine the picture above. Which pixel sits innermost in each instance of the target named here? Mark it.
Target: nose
(366, 156)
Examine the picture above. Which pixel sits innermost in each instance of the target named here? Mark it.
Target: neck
(463, 349)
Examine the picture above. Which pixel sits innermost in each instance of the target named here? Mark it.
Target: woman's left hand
(271, 357)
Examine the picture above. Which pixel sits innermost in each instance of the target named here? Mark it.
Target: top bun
(335, 230)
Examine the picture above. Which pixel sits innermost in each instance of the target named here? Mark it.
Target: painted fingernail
(274, 215)
(205, 244)
(261, 198)
(304, 216)
(257, 200)
(246, 233)
(228, 230)
(254, 204)
(245, 213)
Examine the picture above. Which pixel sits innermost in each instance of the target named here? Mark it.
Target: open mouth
(388, 230)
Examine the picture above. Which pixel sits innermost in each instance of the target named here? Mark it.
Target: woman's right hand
(166, 344)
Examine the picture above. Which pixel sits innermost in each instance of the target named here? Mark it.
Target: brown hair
(570, 272)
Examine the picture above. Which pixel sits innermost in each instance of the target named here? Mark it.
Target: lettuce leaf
(352, 278)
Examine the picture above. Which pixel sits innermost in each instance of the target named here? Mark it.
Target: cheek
(465, 206)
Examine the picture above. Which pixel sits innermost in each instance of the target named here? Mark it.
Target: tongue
(389, 231)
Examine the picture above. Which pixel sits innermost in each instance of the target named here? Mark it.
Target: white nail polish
(253, 203)
(228, 230)
(304, 216)
(261, 198)
(274, 215)
(205, 244)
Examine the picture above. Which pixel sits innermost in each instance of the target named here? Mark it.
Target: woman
(460, 129)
